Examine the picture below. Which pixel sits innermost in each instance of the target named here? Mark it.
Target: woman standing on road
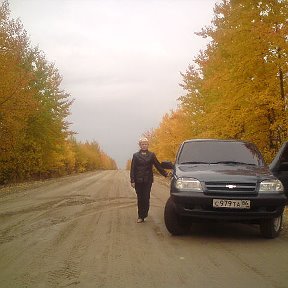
(141, 176)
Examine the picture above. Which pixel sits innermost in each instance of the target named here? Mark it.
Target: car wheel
(175, 224)
(271, 228)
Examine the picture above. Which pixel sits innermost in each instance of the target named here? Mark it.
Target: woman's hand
(133, 185)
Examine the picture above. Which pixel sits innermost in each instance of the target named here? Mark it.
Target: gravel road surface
(81, 231)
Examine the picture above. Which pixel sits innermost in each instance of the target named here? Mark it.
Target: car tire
(175, 224)
(271, 228)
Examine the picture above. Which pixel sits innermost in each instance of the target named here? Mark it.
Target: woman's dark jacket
(141, 167)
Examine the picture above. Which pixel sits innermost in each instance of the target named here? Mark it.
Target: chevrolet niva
(226, 180)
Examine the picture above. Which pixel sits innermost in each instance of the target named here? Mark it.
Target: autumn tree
(89, 157)
(128, 164)
(33, 108)
(107, 163)
(17, 101)
(34, 132)
(237, 87)
(166, 138)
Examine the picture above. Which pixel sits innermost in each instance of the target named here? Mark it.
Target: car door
(279, 166)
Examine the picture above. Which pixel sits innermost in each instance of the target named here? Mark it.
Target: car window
(220, 152)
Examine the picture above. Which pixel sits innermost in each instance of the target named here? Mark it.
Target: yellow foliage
(128, 164)
(33, 109)
(173, 129)
(238, 79)
(237, 87)
(89, 157)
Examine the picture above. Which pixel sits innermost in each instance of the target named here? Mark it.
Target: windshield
(216, 152)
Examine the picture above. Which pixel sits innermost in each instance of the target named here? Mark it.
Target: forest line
(236, 88)
(36, 141)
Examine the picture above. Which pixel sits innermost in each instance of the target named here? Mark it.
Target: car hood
(224, 172)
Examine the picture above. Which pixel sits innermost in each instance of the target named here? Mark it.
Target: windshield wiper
(194, 162)
(233, 162)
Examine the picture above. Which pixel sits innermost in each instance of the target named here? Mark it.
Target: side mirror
(167, 165)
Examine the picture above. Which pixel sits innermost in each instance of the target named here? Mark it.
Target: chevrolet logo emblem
(231, 186)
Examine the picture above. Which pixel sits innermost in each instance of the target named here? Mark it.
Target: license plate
(229, 203)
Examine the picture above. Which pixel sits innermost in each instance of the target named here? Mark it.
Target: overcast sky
(120, 60)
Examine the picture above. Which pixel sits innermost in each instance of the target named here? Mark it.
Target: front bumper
(200, 205)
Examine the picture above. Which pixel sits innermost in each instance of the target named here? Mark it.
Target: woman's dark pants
(143, 197)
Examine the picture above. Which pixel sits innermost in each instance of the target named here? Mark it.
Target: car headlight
(190, 184)
(271, 185)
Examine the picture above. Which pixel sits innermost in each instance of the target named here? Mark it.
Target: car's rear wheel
(175, 224)
(271, 228)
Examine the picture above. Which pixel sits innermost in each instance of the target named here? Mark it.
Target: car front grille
(230, 188)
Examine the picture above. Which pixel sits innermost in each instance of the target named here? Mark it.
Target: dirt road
(81, 231)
